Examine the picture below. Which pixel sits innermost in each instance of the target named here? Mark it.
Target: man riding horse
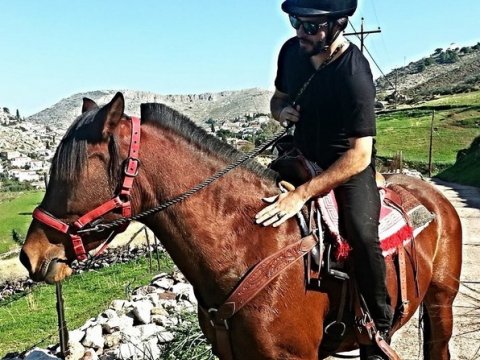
(324, 87)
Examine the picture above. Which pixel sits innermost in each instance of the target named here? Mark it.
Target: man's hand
(288, 115)
(287, 205)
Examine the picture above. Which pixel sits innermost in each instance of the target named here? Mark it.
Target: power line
(368, 52)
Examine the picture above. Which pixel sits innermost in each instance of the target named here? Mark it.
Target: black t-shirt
(337, 104)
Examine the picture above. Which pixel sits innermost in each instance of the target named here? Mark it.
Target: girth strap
(257, 279)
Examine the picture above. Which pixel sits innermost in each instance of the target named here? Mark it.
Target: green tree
(18, 115)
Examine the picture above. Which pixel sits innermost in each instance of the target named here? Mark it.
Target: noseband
(121, 201)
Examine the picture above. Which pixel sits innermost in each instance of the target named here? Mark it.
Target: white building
(35, 165)
(9, 154)
(24, 175)
(20, 162)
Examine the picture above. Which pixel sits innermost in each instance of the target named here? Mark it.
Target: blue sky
(51, 49)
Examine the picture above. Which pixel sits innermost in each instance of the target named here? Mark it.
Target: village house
(9, 154)
(20, 162)
(24, 175)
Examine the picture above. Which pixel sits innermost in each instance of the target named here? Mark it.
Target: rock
(163, 283)
(120, 306)
(93, 337)
(89, 323)
(112, 340)
(90, 355)
(76, 335)
(75, 350)
(159, 310)
(141, 310)
(149, 330)
(165, 336)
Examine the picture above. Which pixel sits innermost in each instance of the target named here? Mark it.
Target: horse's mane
(71, 154)
(165, 117)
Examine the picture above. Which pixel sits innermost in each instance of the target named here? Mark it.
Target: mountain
(444, 72)
(222, 106)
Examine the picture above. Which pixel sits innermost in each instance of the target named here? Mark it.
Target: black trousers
(359, 211)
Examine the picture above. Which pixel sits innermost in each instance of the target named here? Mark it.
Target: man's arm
(281, 109)
(353, 161)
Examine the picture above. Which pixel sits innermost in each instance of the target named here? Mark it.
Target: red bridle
(120, 201)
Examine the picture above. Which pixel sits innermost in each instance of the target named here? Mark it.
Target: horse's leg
(438, 319)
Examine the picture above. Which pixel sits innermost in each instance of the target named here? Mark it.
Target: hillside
(467, 167)
(445, 71)
(226, 105)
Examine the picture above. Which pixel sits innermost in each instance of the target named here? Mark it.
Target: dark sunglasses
(310, 28)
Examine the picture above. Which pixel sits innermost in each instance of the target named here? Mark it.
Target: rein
(89, 223)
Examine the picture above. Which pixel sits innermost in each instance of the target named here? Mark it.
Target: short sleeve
(358, 104)
(281, 83)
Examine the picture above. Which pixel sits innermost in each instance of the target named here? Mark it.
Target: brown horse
(212, 236)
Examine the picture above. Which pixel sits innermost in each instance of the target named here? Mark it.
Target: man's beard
(316, 47)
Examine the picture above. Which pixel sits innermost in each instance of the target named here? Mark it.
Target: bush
(428, 61)
(448, 57)
(421, 67)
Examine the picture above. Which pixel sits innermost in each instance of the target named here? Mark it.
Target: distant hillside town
(26, 149)
(27, 145)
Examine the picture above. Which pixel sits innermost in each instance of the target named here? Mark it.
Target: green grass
(15, 213)
(469, 99)
(29, 320)
(408, 130)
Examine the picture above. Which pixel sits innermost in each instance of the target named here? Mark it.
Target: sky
(52, 49)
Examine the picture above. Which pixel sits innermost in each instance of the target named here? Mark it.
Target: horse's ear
(114, 114)
(88, 104)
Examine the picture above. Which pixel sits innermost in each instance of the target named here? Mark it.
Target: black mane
(165, 117)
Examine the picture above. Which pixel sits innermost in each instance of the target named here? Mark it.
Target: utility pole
(363, 34)
(430, 148)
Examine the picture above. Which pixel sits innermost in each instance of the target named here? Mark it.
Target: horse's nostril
(25, 261)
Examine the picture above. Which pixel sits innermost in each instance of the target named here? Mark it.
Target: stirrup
(328, 266)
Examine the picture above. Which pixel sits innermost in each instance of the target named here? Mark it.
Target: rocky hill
(222, 106)
(445, 71)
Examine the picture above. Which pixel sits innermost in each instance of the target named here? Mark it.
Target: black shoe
(372, 352)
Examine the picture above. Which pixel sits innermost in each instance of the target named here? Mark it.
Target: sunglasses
(310, 28)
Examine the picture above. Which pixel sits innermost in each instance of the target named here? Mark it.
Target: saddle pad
(393, 227)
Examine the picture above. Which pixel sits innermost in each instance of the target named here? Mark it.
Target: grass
(15, 213)
(31, 319)
(408, 130)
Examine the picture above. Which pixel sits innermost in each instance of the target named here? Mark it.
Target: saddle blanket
(393, 227)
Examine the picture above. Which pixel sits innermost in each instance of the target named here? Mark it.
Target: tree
(18, 115)
(6, 110)
(421, 67)
(428, 61)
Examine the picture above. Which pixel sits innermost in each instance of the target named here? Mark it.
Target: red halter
(120, 201)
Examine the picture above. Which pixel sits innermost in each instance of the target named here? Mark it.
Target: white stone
(131, 334)
(90, 354)
(159, 310)
(76, 335)
(93, 337)
(112, 340)
(90, 322)
(142, 311)
(149, 330)
(163, 283)
(121, 306)
(165, 336)
(75, 350)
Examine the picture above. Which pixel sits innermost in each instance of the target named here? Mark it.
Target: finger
(280, 221)
(270, 199)
(266, 213)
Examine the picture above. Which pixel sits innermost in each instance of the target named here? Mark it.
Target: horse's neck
(211, 236)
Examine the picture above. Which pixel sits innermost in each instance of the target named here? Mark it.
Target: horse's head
(85, 173)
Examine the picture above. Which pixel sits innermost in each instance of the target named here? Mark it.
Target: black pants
(359, 211)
